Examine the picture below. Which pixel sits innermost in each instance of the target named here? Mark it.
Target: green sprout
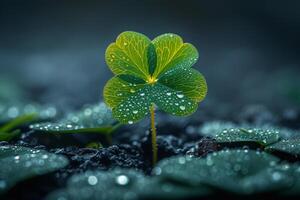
(9, 130)
(152, 73)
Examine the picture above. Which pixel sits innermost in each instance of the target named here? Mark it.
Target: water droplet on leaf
(182, 107)
(122, 180)
(92, 180)
(180, 96)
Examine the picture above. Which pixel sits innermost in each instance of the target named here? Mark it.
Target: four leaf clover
(156, 72)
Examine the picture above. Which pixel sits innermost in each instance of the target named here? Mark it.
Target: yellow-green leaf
(128, 55)
(157, 72)
(173, 53)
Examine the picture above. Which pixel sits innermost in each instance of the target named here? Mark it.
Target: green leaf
(91, 119)
(7, 131)
(158, 188)
(173, 53)
(152, 58)
(20, 114)
(189, 82)
(291, 146)
(128, 55)
(117, 91)
(237, 171)
(212, 128)
(129, 102)
(168, 80)
(117, 184)
(121, 184)
(261, 136)
(135, 107)
(20, 163)
(173, 101)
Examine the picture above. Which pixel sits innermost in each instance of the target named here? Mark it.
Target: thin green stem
(18, 122)
(153, 135)
(9, 136)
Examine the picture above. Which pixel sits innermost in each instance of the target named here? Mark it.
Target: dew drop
(92, 180)
(169, 93)
(142, 94)
(276, 176)
(135, 112)
(272, 163)
(69, 126)
(182, 107)
(264, 141)
(130, 122)
(87, 112)
(122, 180)
(157, 171)
(181, 160)
(209, 162)
(180, 96)
(132, 90)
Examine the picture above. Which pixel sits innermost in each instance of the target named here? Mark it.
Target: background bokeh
(249, 50)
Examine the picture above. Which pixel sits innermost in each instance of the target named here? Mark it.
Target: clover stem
(153, 135)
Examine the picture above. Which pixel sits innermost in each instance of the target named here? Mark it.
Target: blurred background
(54, 49)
